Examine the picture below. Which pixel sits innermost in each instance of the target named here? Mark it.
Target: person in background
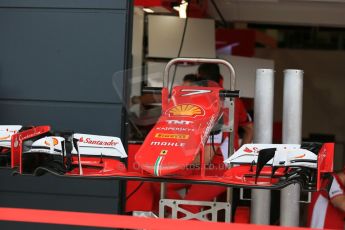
(190, 80)
(327, 207)
(210, 75)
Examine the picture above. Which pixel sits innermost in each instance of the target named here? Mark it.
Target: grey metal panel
(63, 55)
(79, 4)
(34, 226)
(102, 119)
(62, 201)
(48, 184)
(51, 192)
(57, 60)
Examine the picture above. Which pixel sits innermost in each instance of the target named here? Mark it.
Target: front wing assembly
(261, 173)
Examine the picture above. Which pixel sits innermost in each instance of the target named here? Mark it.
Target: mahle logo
(186, 110)
(167, 144)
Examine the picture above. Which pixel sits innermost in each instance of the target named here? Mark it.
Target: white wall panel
(165, 35)
(302, 12)
(137, 50)
(323, 92)
(245, 69)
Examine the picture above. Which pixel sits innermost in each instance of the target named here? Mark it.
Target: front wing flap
(267, 172)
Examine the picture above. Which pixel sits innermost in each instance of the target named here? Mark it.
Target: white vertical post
(263, 132)
(292, 134)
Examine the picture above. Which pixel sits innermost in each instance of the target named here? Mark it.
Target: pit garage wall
(61, 64)
(323, 91)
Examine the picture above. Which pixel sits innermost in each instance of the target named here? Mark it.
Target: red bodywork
(173, 144)
(181, 132)
(17, 144)
(325, 162)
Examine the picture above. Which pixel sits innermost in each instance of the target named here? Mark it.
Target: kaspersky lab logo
(186, 110)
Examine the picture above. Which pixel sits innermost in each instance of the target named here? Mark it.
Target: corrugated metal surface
(60, 62)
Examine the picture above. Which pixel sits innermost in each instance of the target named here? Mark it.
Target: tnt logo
(179, 122)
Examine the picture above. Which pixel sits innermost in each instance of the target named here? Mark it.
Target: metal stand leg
(163, 190)
(292, 134)
(210, 212)
(162, 197)
(263, 132)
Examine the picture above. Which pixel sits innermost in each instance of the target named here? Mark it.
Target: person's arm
(336, 191)
(146, 99)
(339, 202)
(248, 133)
(209, 154)
(245, 122)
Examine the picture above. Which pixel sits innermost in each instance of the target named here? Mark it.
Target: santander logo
(97, 142)
(247, 150)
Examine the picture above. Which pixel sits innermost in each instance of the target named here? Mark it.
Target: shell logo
(187, 110)
(16, 143)
(300, 156)
(55, 142)
(5, 137)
